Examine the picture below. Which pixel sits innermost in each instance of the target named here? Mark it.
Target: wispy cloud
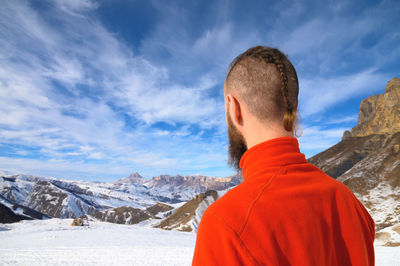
(321, 94)
(71, 91)
(343, 119)
(315, 139)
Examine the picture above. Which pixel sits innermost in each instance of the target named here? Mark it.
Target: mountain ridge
(62, 198)
(367, 160)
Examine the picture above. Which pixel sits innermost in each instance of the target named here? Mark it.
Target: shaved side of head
(267, 83)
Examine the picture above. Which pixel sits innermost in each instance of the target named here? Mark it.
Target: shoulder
(217, 243)
(346, 199)
(231, 208)
(323, 180)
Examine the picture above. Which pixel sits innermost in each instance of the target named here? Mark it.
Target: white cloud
(64, 169)
(76, 6)
(208, 53)
(343, 119)
(316, 138)
(84, 53)
(68, 123)
(321, 94)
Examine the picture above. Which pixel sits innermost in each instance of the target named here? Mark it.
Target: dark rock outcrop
(8, 216)
(11, 212)
(122, 215)
(159, 207)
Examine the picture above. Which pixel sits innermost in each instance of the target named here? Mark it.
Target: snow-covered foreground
(54, 241)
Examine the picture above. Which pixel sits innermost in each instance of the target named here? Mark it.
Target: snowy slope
(188, 216)
(203, 206)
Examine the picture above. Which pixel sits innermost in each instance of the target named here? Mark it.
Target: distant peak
(135, 175)
(133, 178)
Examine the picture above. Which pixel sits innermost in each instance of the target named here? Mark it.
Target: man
(286, 211)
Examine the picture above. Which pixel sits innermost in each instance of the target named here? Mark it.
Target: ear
(235, 111)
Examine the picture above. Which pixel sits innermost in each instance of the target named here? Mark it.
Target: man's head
(261, 91)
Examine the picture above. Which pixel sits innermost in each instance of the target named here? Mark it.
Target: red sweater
(285, 212)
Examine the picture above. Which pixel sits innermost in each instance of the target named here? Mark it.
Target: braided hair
(261, 85)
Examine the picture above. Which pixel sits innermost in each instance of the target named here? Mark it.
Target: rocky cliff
(367, 160)
(379, 114)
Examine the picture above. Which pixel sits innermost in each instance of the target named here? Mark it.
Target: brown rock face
(379, 114)
(159, 207)
(122, 215)
(393, 84)
(77, 222)
(343, 156)
(47, 198)
(367, 160)
(130, 215)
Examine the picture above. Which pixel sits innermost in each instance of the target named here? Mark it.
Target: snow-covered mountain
(66, 198)
(179, 188)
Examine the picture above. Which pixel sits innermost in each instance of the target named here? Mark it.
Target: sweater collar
(276, 152)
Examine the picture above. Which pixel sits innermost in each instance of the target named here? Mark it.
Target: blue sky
(94, 90)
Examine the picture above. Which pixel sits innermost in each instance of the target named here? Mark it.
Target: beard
(237, 144)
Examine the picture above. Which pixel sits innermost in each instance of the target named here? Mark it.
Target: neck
(271, 155)
(260, 133)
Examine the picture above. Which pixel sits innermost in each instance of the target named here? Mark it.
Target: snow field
(55, 242)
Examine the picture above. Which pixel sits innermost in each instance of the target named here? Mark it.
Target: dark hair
(267, 83)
